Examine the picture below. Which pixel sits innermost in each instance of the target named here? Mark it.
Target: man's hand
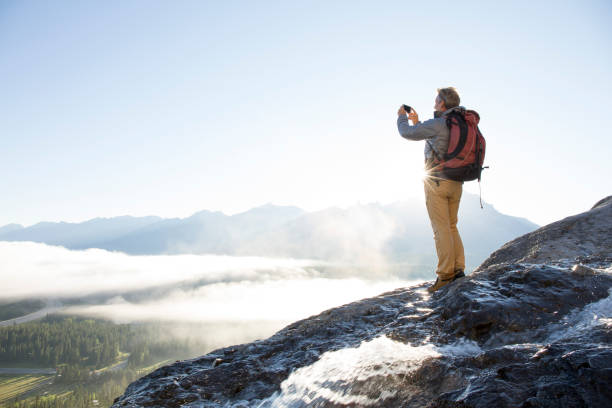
(413, 116)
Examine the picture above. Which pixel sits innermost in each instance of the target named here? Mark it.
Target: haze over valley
(247, 275)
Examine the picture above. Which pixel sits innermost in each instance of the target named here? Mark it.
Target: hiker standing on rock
(443, 185)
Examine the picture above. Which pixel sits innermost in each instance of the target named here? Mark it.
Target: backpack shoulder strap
(463, 133)
(435, 153)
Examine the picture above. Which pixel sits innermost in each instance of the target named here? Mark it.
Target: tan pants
(442, 199)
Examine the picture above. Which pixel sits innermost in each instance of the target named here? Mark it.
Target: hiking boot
(438, 284)
(458, 274)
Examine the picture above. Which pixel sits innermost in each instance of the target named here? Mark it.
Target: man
(442, 195)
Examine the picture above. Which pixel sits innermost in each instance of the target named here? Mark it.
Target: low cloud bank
(286, 301)
(196, 288)
(29, 269)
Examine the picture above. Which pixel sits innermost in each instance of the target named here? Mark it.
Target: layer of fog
(29, 269)
(179, 288)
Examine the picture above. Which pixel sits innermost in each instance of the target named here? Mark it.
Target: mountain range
(370, 234)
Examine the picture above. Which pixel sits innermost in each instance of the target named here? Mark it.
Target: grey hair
(450, 96)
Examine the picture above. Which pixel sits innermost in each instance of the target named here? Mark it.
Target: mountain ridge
(368, 233)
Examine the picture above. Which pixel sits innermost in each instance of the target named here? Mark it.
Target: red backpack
(466, 148)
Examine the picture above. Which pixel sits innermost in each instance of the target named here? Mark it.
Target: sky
(168, 108)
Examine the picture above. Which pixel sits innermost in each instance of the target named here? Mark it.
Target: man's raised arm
(419, 131)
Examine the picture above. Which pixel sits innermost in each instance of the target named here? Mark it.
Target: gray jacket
(433, 130)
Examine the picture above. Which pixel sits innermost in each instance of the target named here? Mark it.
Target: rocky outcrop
(532, 327)
(579, 235)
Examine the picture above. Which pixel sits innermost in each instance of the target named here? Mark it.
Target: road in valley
(39, 314)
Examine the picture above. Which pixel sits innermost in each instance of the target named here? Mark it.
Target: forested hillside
(94, 360)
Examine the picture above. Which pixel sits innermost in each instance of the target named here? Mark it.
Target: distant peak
(11, 227)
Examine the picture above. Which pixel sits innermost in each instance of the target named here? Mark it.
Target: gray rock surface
(532, 327)
(585, 234)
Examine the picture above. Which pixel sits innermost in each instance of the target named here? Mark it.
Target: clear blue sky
(166, 108)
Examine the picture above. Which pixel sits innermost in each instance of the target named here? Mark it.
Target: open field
(119, 364)
(12, 386)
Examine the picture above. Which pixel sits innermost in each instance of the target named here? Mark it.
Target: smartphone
(407, 108)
